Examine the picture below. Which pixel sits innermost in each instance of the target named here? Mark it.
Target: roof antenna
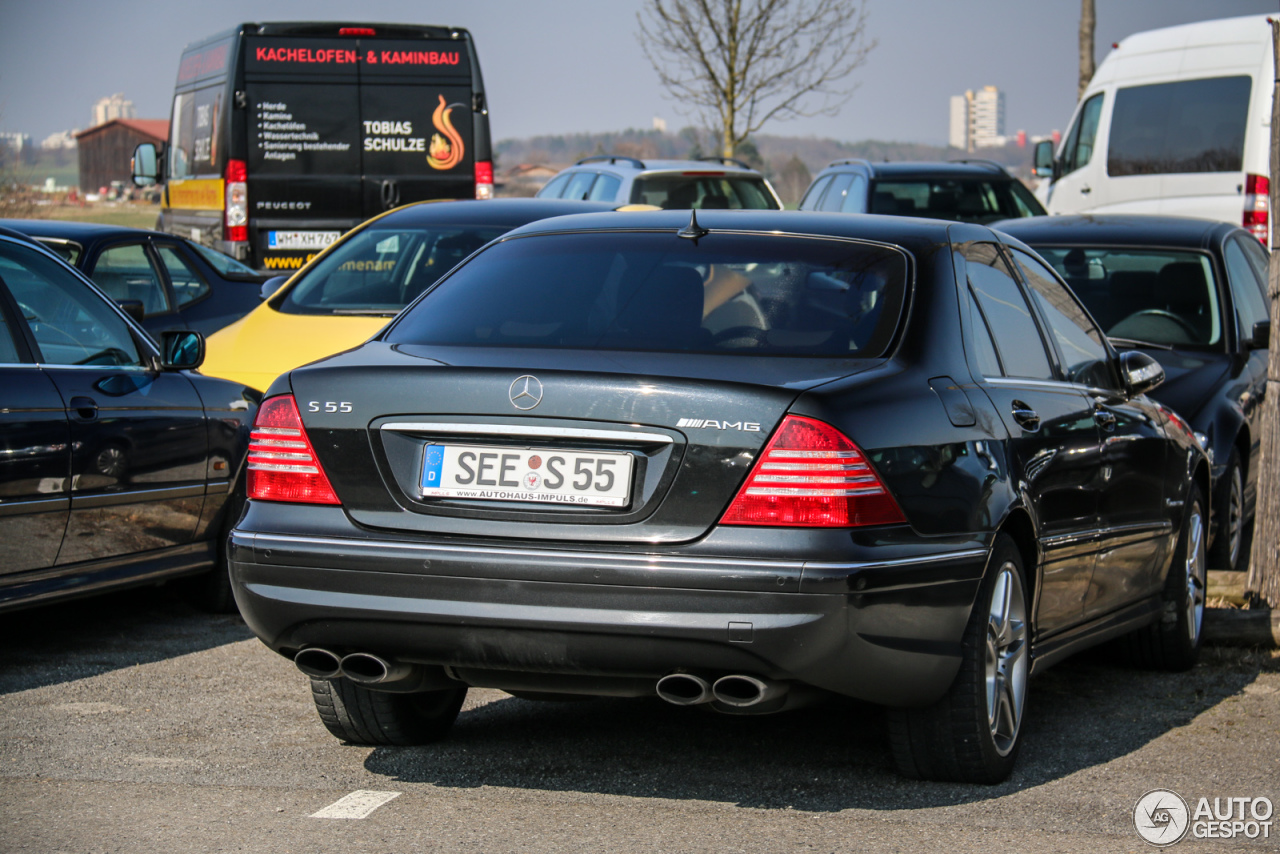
(693, 231)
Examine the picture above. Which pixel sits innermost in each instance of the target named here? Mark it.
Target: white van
(1175, 121)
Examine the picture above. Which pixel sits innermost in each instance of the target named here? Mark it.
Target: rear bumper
(887, 631)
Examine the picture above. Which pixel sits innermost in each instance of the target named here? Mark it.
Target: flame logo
(445, 152)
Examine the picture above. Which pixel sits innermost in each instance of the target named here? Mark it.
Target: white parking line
(359, 804)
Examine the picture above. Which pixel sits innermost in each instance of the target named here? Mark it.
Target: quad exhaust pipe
(372, 671)
(734, 693)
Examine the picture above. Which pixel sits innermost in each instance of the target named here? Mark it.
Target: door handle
(1105, 417)
(84, 409)
(1086, 190)
(390, 194)
(1026, 416)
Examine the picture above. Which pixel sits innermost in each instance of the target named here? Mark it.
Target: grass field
(132, 215)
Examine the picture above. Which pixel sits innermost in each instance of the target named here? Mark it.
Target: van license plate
(300, 239)
(594, 478)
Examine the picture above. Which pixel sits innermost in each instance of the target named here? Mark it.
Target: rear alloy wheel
(972, 734)
(1230, 534)
(1173, 642)
(359, 715)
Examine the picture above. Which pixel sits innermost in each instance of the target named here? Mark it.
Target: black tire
(211, 591)
(959, 739)
(1173, 642)
(1228, 535)
(358, 715)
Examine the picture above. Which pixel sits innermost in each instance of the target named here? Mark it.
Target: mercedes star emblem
(526, 392)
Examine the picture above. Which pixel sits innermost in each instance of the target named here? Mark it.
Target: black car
(961, 190)
(118, 464)
(743, 459)
(1192, 294)
(164, 281)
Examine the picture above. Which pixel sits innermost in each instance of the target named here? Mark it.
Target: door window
(580, 185)
(855, 198)
(1187, 126)
(127, 273)
(1084, 356)
(605, 189)
(8, 342)
(71, 323)
(1017, 338)
(835, 197)
(1079, 149)
(187, 284)
(810, 200)
(1251, 306)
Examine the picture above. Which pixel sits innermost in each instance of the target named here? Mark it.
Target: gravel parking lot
(133, 723)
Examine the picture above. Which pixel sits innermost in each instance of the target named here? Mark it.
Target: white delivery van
(1175, 121)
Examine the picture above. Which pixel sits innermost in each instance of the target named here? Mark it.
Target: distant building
(114, 107)
(660, 124)
(105, 150)
(977, 119)
(61, 139)
(16, 142)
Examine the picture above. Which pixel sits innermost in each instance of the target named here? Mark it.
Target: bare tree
(739, 64)
(1087, 66)
(1264, 567)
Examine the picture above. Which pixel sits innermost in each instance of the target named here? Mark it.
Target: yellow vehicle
(350, 291)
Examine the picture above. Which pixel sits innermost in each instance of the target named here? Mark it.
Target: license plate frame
(301, 239)
(522, 474)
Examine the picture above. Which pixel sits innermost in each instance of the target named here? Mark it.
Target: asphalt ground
(132, 723)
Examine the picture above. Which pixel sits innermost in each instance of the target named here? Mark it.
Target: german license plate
(593, 478)
(300, 239)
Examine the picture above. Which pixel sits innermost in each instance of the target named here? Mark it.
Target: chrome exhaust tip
(684, 689)
(318, 663)
(740, 691)
(364, 668)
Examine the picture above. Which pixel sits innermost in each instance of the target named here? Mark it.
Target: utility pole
(1264, 564)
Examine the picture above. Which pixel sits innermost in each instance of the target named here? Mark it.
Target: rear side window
(605, 189)
(1008, 316)
(1188, 126)
(553, 188)
(729, 294)
(810, 200)
(839, 191)
(1084, 356)
(709, 192)
(187, 284)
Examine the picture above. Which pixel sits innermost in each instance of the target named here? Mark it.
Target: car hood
(1190, 379)
(266, 343)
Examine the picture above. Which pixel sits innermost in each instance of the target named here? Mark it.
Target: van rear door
(416, 122)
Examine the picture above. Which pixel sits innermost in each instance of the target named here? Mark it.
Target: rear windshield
(380, 270)
(960, 200)
(685, 191)
(1141, 296)
(730, 294)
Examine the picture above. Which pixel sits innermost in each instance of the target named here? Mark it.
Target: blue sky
(558, 66)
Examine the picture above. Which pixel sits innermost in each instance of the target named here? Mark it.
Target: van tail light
(1257, 204)
(282, 463)
(812, 475)
(236, 211)
(484, 179)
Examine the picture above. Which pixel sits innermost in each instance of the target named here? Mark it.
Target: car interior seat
(1185, 293)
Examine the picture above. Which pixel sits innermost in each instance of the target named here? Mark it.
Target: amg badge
(745, 426)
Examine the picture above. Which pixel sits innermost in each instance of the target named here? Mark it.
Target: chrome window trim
(525, 430)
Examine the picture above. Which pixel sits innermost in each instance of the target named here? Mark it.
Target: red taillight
(484, 179)
(812, 475)
(282, 463)
(357, 31)
(1257, 204)
(236, 209)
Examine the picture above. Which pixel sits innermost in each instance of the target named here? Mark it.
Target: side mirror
(133, 307)
(1261, 338)
(271, 285)
(181, 350)
(1141, 373)
(145, 165)
(1044, 159)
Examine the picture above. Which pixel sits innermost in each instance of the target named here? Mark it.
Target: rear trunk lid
(611, 446)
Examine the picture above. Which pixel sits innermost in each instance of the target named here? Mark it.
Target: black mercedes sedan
(742, 460)
(164, 281)
(119, 465)
(1192, 294)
